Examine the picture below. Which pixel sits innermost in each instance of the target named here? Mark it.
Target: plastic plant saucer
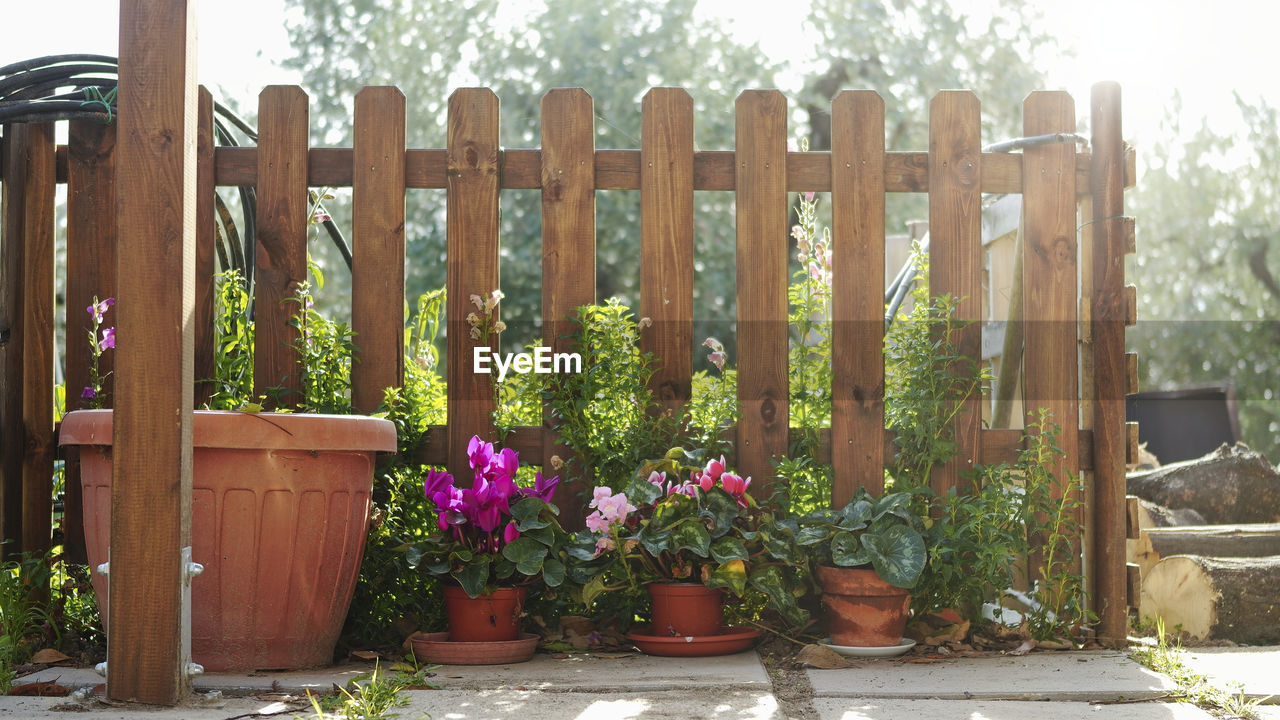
(728, 640)
(885, 651)
(437, 648)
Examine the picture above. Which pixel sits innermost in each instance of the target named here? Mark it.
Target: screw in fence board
(568, 243)
(857, 287)
(148, 651)
(1108, 304)
(762, 214)
(472, 180)
(280, 262)
(377, 234)
(955, 249)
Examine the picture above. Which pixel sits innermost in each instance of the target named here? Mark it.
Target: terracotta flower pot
(862, 609)
(280, 507)
(485, 618)
(686, 609)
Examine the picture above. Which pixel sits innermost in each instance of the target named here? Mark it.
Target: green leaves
(883, 533)
(896, 552)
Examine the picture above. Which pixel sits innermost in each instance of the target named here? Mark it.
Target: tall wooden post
(1108, 312)
(148, 646)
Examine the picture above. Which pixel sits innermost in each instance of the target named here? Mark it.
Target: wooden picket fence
(1075, 238)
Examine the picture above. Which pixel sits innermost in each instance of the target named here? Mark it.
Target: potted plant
(686, 542)
(495, 540)
(280, 508)
(866, 557)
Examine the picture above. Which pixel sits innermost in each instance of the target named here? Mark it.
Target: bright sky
(1152, 47)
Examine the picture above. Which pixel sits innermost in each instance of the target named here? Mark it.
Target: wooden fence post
(280, 261)
(377, 235)
(13, 152)
(472, 258)
(1109, 306)
(91, 271)
(857, 294)
(761, 181)
(149, 648)
(666, 240)
(568, 245)
(955, 251)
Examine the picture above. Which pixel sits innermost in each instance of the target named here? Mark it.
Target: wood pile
(1208, 545)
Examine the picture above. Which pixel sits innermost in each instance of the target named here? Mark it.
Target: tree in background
(1208, 213)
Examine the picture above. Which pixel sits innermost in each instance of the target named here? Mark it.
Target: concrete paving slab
(63, 708)
(511, 704)
(1257, 669)
(1063, 676)
(740, 671)
(878, 709)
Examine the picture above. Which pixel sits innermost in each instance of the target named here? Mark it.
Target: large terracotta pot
(862, 609)
(686, 609)
(280, 507)
(494, 617)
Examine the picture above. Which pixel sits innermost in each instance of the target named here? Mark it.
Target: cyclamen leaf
(553, 572)
(691, 535)
(527, 554)
(897, 552)
(846, 552)
(732, 575)
(728, 548)
(472, 577)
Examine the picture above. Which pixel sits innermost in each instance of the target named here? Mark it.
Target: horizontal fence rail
(1075, 303)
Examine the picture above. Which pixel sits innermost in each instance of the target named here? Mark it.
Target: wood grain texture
(37, 340)
(666, 241)
(761, 146)
(205, 267)
(955, 251)
(857, 290)
(568, 245)
(377, 238)
(472, 247)
(151, 513)
(1107, 310)
(904, 172)
(91, 271)
(13, 153)
(1050, 360)
(281, 252)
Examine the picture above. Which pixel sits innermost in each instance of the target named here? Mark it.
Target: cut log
(1152, 515)
(1216, 598)
(1256, 540)
(1232, 484)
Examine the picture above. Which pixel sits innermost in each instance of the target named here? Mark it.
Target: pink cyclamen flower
(108, 338)
(510, 534)
(704, 481)
(601, 493)
(604, 544)
(736, 486)
(657, 478)
(616, 508)
(596, 523)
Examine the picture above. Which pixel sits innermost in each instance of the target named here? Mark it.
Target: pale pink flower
(595, 522)
(604, 544)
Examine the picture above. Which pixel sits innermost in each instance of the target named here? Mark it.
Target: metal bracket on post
(190, 569)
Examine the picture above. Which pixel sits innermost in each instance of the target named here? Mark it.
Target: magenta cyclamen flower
(543, 489)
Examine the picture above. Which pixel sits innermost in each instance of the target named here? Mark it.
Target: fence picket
(281, 253)
(955, 262)
(377, 236)
(472, 229)
(666, 240)
(1050, 360)
(203, 352)
(568, 241)
(857, 294)
(91, 271)
(761, 181)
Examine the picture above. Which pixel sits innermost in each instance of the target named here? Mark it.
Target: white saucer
(886, 651)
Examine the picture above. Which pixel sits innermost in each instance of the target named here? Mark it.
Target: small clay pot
(686, 609)
(485, 618)
(862, 609)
